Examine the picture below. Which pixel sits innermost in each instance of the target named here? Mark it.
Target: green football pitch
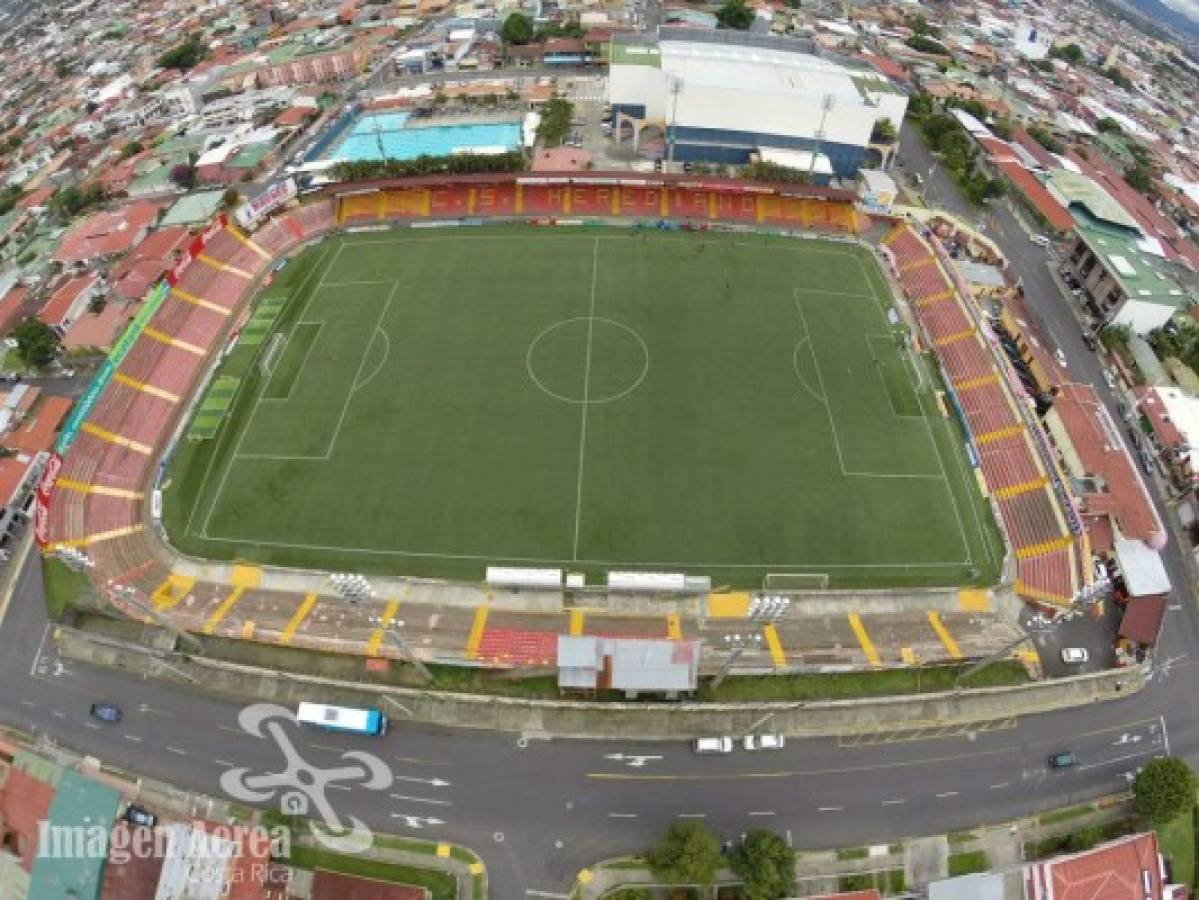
(432, 402)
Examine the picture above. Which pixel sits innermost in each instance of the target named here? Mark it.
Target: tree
(774, 172)
(1117, 77)
(229, 198)
(1071, 53)
(36, 341)
(926, 45)
(183, 56)
(184, 175)
(1164, 788)
(921, 105)
(556, 115)
(765, 864)
(687, 854)
(883, 132)
(735, 14)
(1108, 125)
(1139, 177)
(517, 29)
(1045, 138)
(131, 149)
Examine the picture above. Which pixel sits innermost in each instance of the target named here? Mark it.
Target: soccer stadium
(437, 378)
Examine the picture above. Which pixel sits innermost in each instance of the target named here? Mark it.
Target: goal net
(795, 581)
(270, 356)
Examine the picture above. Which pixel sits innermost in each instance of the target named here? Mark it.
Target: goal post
(795, 581)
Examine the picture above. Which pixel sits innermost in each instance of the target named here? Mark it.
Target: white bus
(342, 718)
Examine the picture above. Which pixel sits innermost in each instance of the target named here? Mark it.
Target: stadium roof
(1075, 187)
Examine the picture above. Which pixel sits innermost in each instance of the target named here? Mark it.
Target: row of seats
(1015, 474)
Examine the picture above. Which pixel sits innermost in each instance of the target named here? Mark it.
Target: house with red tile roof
(12, 308)
(107, 233)
(39, 426)
(1128, 868)
(69, 301)
(1093, 454)
(1036, 195)
(37, 199)
(133, 276)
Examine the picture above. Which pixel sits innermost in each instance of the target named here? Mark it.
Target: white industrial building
(723, 96)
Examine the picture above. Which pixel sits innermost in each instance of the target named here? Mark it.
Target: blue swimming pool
(386, 135)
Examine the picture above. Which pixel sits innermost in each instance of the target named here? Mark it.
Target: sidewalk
(915, 861)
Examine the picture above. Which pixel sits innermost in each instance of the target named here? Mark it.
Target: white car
(713, 745)
(763, 742)
(1060, 357)
(1111, 382)
(1040, 240)
(1075, 655)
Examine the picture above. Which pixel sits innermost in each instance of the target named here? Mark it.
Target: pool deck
(504, 117)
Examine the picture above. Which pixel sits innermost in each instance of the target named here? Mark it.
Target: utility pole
(826, 106)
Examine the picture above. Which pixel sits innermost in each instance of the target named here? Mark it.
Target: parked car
(106, 712)
(1040, 240)
(1089, 340)
(136, 815)
(1075, 656)
(1063, 760)
(1060, 357)
(714, 745)
(763, 742)
(1111, 381)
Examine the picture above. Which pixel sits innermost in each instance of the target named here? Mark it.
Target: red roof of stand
(1057, 215)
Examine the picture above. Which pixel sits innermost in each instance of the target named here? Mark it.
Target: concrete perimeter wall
(651, 721)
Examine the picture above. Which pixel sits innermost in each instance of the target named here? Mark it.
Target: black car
(135, 815)
(106, 712)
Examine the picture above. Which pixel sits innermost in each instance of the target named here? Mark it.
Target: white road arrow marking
(632, 759)
(416, 821)
(435, 782)
(422, 800)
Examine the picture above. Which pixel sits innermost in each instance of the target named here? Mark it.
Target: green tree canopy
(926, 45)
(735, 14)
(517, 29)
(1164, 788)
(883, 132)
(1108, 124)
(37, 342)
(556, 115)
(183, 56)
(1139, 177)
(688, 853)
(766, 865)
(1071, 53)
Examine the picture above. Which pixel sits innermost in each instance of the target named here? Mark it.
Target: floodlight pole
(676, 88)
(826, 106)
(406, 653)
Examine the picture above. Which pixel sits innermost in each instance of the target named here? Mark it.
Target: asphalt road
(538, 810)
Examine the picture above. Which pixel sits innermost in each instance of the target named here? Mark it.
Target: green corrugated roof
(193, 208)
(873, 84)
(1143, 277)
(636, 55)
(83, 804)
(250, 156)
(1078, 188)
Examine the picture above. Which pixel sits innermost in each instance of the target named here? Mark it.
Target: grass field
(593, 399)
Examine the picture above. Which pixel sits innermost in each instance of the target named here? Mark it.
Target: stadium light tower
(676, 88)
(826, 106)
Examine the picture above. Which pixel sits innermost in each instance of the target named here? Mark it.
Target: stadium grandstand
(97, 496)
(1020, 471)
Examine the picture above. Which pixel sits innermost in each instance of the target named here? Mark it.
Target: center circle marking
(593, 322)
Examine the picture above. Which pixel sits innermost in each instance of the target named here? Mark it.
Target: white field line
(586, 397)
